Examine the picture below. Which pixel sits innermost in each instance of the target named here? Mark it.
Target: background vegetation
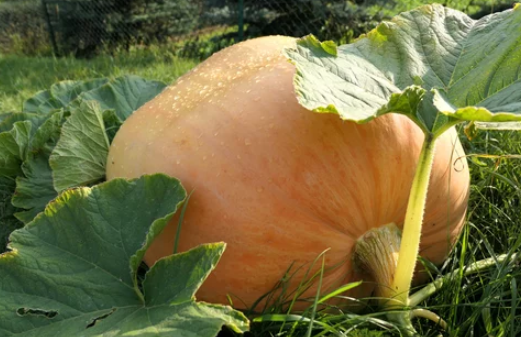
(86, 28)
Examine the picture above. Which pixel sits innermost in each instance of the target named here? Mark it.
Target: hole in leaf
(141, 274)
(102, 317)
(37, 312)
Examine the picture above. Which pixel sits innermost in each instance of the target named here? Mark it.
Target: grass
(484, 304)
(22, 76)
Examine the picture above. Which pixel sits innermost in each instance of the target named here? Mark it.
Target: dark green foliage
(337, 20)
(347, 21)
(160, 19)
(294, 18)
(8, 222)
(202, 47)
(23, 29)
(86, 27)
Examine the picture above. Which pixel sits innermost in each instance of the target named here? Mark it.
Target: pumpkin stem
(410, 245)
(376, 254)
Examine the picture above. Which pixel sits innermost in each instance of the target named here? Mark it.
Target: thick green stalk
(409, 248)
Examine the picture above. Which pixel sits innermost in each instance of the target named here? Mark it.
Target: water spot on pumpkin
(238, 156)
(247, 142)
(260, 189)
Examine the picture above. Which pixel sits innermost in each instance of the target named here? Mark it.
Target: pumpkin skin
(278, 183)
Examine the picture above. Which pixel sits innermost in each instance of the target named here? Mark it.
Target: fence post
(49, 28)
(241, 20)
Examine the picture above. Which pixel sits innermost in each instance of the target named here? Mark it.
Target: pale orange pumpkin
(277, 183)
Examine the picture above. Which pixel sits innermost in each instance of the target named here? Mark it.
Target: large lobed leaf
(60, 95)
(125, 94)
(80, 155)
(72, 271)
(470, 69)
(62, 138)
(7, 220)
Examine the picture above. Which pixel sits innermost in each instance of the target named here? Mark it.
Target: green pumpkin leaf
(469, 68)
(60, 95)
(28, 139)
(472, 128)
(27, 135)
(4, 115)
(158, 283)
(67, 91)
(34, 186)
(7, 123)
(125, 94)
(10, 160)
(80, 155)
(8, 222)
(13, 146)
(24, 152)
(72, 271)
(41, 103)
(511, 126)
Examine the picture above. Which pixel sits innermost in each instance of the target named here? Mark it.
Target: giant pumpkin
(277, 183)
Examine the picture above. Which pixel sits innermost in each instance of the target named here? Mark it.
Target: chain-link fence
(191, 28)
(196, 28)
(84, 27)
